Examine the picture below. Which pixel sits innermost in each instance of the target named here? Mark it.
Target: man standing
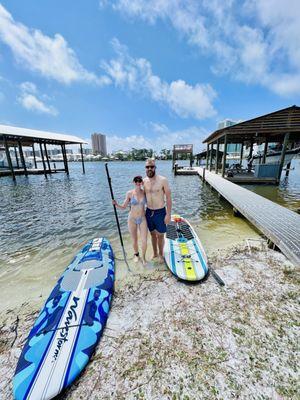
(159, 205)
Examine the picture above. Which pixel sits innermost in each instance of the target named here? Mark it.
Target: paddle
(216, 277)
(116, 215)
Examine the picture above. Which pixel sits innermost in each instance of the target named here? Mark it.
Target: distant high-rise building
(99, 144)
(226, 123)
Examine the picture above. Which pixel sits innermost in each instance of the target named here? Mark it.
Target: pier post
(82, 161)
(265, 151)
(173, 158)
(47, 158)
(285, 143)
(9, 159)
(241, 153)
(34, 158)
(287, 172)
(224, 156)
(211, 156)
(207, 153)
(65, 158)
(217, 156)
(16, 155)
(22, 157)
(43, 160)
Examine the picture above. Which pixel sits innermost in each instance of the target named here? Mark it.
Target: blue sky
(146, 73)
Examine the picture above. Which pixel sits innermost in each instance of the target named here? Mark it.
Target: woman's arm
(125, 203)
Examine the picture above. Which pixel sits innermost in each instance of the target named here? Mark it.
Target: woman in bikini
(136, 199)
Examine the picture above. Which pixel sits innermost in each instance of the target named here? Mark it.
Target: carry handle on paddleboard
(116, 214)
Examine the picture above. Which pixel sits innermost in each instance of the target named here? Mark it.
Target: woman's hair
(137, 178)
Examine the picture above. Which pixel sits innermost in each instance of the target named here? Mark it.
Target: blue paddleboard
(69, 325)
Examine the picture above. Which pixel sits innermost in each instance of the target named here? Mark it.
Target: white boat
(273, 157)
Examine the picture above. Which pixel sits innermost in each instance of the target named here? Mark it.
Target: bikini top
(134, 201)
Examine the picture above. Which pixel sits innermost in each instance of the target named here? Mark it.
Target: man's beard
(151, 173)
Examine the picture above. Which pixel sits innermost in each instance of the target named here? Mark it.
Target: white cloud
(163, 141)
(29, 100)
(255, 41)
(50, 57)
(136, 75)
(156, 127)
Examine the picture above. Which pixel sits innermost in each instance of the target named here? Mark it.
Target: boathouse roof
(30, 136)
(274, 126)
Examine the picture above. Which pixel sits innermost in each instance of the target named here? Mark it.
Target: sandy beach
(168, 340)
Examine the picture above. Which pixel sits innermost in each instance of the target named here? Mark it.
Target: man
(159, 205)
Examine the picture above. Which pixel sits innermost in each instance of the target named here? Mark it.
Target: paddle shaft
(216, 277)
(116, 214)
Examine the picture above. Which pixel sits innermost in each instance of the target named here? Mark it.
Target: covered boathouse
(278, 133)
(14, 139)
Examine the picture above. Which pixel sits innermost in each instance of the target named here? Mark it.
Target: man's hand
(167, 219)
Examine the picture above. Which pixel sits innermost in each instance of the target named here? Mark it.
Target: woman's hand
(114, 202)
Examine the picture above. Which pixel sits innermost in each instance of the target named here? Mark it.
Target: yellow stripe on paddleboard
(187, 262)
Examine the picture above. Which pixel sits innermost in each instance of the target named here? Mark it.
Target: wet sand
(169, 340)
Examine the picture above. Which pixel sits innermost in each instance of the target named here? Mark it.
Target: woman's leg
(132, 227)
(144, 233)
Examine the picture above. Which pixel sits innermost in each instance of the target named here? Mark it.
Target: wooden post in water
(217, 156)
(285, 143)
(288, 166)
(65, 159)
(265, 151)
(211, 156)
(9, 159)
(224, 156)
(207, 153)
(16, 155)
(47, 158)
(34, 158)
(82, 161)
(241, 153)
(43, 160)
(22, 157)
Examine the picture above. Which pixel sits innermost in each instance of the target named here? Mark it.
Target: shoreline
(165, 339)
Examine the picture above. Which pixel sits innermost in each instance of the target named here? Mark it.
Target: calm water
(44, 222)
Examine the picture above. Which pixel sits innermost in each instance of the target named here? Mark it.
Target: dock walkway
(279, 224)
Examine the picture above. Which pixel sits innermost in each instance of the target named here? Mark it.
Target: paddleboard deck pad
(183, 251)
(69, 325)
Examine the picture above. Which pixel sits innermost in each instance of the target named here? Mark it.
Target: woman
(136, 198)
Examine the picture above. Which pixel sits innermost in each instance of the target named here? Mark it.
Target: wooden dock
(277, 223)
(31, 171)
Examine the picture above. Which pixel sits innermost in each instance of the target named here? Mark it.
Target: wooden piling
(224, 156)
(34, 158)
(43, 160)
(217, 156)
(82, 161)
(22, 158)
(285, 143)
(9, 159)
(47, 158)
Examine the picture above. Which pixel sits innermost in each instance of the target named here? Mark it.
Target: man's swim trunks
(156, 220)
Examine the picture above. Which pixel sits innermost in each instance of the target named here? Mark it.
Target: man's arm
(167, 191)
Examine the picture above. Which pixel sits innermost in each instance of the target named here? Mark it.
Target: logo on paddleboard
(64, 331)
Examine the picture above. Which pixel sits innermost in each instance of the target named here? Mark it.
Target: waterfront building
(99, 144)
(86, 151)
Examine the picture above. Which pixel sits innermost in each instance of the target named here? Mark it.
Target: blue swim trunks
(156, 220)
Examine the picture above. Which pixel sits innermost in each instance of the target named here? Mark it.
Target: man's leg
(154, 243)
(161, 242)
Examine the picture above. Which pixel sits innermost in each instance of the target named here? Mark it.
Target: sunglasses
(138, 181)
(150, 166)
